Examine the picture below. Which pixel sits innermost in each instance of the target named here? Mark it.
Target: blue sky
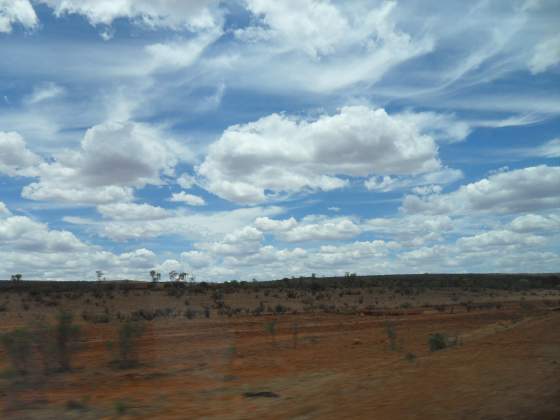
(255, 139)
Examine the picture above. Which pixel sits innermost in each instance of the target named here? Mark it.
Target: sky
(259, 139)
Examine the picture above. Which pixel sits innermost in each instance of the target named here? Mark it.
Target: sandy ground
(506, 366)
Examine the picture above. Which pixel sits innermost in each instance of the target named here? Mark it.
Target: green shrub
(410, 357)
(270, 328)
(391, 335)
(126, 352)
(440, 341)
(18, 347)
(66, 335)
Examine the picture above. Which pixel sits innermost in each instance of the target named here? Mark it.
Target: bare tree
(154, 275)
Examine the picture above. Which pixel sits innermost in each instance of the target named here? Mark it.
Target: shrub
(439, 341)
(18, 347)
(295, 333)
(270, 328)
(190, 313)
(66, 337)
(391, 335)
(126, 352)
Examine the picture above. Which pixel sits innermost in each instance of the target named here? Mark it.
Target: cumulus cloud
(207, 226)
(309, 229)
(519, 190)
(24, 234)
(240, 242)
(15, 157)
(277, 154)
(317, 27)
(536, 223)
(172, 14)
(4, 211)
(499, 239)
(190, 199)
(267, 224)
(104, 170)
(546, 55)
(16, 11)
(495, 250)
(413, 230)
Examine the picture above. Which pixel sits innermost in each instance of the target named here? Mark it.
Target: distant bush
(126, 347)
(270, 328)
(391, 332)
(66, 335)
(280, 309)
(18, 347)
(440, 341)
(410, 357)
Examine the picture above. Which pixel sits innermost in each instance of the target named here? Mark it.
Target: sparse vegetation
(440, 341)
(18, 346)
(391, 332)
(127, 344)
(270, 329)
(66, 335)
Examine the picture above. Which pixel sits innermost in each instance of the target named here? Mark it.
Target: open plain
(303, 350)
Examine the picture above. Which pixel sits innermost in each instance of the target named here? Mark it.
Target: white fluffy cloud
(254, 162)
(520, 190)
(4, 211)
(413, 230)
(206, 226)
(546, 55)
(310, 228)
(24, 234)
(16, 11)
(104, 170)
(173, 14)
(15, 157)
(317, 27)
(536, 223)
(331, 46)
(244, 241)
(190, 199)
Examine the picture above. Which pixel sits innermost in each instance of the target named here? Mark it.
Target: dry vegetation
(391, 346)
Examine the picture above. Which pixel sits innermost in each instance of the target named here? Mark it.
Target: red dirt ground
(507, 366)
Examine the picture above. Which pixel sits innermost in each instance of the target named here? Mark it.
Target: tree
(173, 275)
(99, 275)
(16, 277)
(182, 276)
(155, 275)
